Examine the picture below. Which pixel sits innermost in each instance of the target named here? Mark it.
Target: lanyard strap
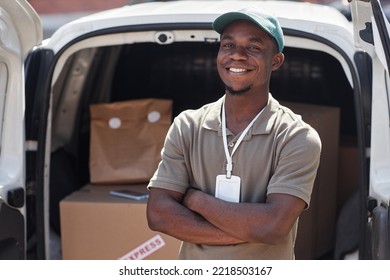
(229, 165)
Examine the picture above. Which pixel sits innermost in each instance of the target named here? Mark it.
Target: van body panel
(20, 32)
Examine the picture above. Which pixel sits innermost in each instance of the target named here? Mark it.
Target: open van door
(20, 31)
(371, 29)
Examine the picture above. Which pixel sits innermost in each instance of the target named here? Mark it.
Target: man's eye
(254, 48)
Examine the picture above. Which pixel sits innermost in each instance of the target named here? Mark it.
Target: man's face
(246, 58)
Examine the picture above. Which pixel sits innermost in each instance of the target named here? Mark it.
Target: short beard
(237, 92)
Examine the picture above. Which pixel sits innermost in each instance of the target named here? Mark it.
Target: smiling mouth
(237, 70)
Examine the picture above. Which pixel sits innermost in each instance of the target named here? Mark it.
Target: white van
(168, 50)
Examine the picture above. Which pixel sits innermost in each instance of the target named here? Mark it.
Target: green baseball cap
(264, 20)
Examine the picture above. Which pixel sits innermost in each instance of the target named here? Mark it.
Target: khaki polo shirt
(279, 154)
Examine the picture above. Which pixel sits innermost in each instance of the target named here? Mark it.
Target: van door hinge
(367, 34)
(15, 197)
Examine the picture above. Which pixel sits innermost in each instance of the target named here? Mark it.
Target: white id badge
(228, 189)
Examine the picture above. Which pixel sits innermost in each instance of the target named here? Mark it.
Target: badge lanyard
(229, 165)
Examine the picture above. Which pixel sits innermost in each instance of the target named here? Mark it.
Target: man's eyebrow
(226, 37)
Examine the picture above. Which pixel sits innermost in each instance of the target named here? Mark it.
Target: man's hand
(190, 197)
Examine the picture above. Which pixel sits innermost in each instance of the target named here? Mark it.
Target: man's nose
(239, 53)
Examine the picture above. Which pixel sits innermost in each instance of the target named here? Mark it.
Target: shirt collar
(263, 124)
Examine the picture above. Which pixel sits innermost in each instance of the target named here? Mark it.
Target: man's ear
(277, 61)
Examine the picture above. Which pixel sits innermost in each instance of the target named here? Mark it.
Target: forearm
(169, 216)
(191, 227)
(223, 215)
(251, 222)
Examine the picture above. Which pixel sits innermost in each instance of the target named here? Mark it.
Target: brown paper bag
(127, 138)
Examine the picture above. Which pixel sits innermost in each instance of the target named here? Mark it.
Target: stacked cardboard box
(96, 225)
(316, 228)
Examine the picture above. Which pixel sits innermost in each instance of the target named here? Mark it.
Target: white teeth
(237, 70)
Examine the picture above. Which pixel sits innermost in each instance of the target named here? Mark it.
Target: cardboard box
(316, 228)
(348, 175)
(98, 226)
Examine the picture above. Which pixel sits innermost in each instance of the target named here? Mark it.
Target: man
(236, 174)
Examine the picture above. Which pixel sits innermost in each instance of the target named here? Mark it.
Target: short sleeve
(172, 173)
(297, 161)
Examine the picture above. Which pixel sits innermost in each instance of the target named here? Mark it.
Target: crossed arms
(199, 218)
